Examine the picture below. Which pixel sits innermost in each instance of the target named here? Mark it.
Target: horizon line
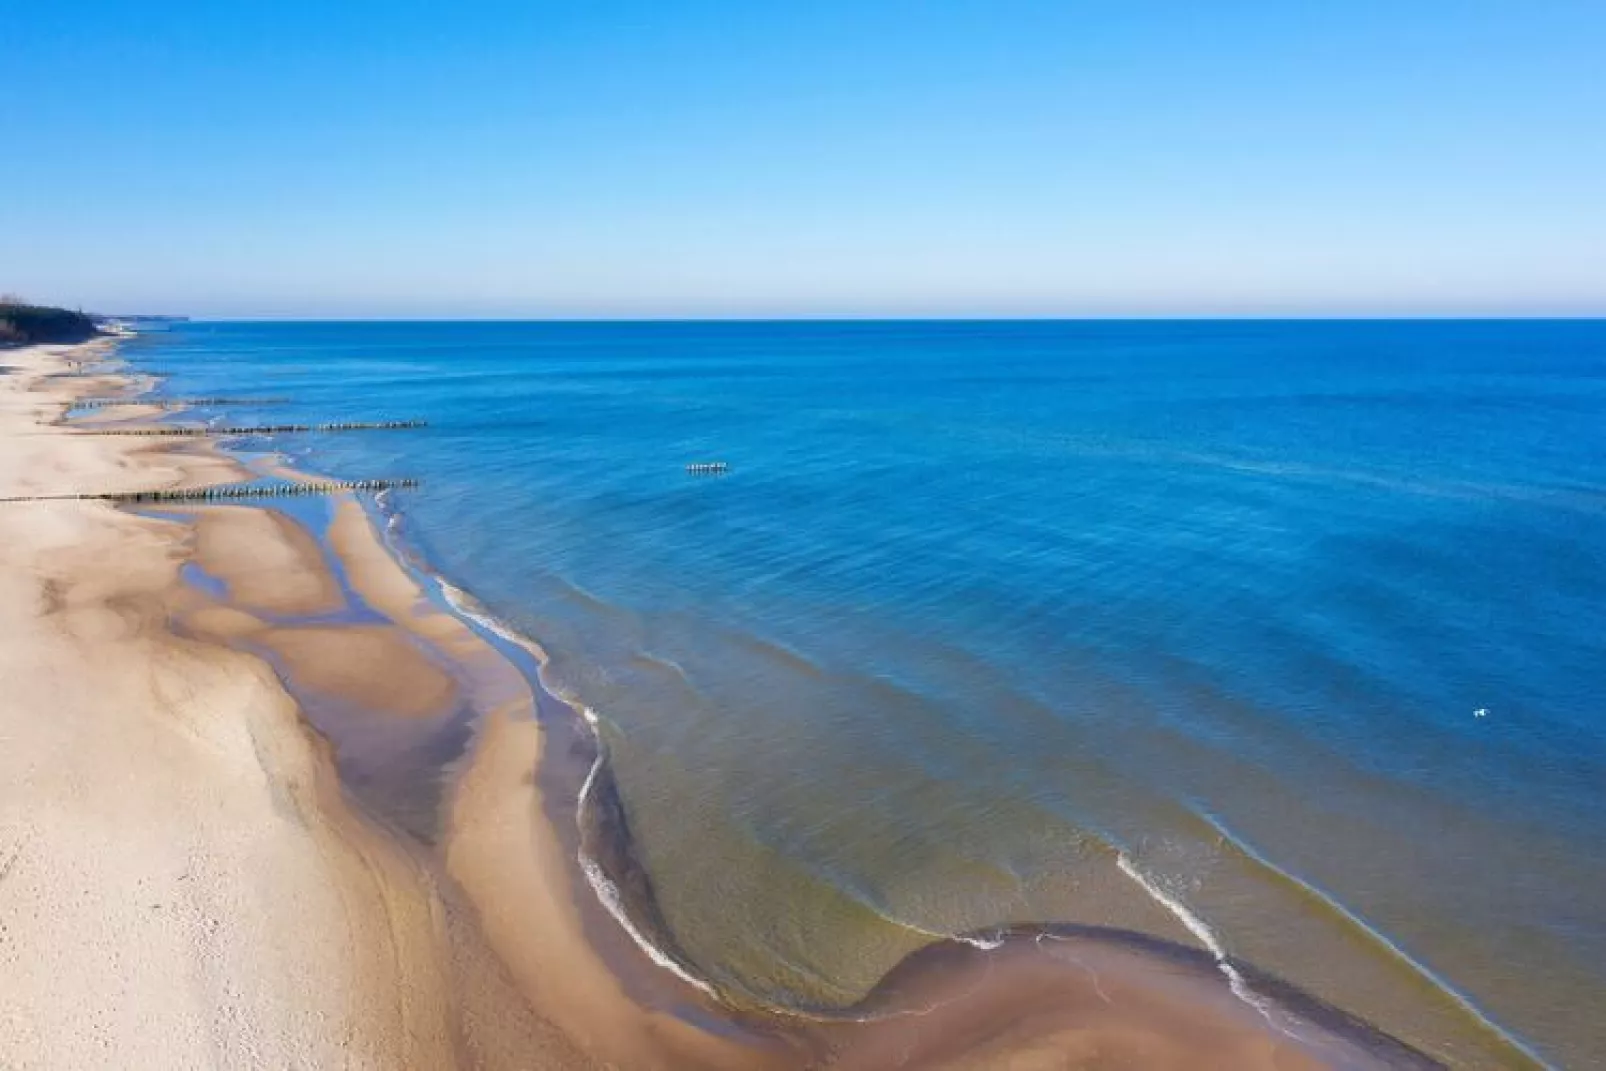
(852, 318)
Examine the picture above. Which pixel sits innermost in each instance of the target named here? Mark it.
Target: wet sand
(266, 800)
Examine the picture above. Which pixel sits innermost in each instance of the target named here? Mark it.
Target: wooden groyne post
(174, 403)
(259, 429)
(225, 492)
(83, 372)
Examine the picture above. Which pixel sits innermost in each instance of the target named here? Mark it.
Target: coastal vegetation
(23, 323)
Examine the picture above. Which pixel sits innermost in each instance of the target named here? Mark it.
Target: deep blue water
(988, 617)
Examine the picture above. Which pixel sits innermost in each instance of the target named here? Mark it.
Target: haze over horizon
(900, 159)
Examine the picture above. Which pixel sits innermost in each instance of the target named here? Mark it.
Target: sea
(1285, 639)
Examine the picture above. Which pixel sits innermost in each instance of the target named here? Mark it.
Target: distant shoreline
(30, 325)
(1269, 318)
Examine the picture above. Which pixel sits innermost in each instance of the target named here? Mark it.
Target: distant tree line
(22, 323)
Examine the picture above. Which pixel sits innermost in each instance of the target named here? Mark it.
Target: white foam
(1207, 937)
(1383, 940)
(608, 893)
(986, 944)
(464, 603)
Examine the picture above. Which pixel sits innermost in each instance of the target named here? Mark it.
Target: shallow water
(1184, 628)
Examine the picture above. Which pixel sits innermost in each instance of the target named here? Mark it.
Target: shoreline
(397, 974)
(384, 691)
(170, 822)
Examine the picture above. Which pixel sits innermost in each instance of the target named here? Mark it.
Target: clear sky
(818, 157)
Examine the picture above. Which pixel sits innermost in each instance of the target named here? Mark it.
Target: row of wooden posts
(174, 403)
(102, 373)
(259, 429)
(226, 491)
(238, 491)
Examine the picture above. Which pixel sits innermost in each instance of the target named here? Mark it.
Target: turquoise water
(1289, 635)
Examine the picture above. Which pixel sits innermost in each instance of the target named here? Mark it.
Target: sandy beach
(181, 881)
(267, 802)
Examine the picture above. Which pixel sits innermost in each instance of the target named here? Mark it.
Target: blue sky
(833, 157)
